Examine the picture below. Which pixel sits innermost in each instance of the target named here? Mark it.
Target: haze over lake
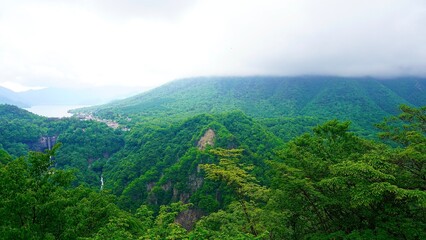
(58, 111)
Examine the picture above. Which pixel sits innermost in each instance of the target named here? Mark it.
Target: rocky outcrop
(188, 218)
(44, 143)
(150, 186)
(195, 182)
(207, 139)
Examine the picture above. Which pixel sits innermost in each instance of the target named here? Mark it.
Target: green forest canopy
(324, 184)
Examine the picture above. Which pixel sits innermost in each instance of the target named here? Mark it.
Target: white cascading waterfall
(102, 181)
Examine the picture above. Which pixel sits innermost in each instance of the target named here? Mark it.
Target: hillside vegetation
(361, 100)
(244, 158)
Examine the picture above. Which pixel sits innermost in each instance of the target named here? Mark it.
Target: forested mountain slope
(85, 144)
(243, 158)
(362, 100)
(161, 165)
(19, 129)
(216, 176)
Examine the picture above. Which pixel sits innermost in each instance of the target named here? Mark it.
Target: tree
(408, 132)
(30, 191)
(164, 225)
(355, 192)
(236, 177)
(36, 202)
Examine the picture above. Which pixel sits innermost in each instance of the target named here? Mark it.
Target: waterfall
(49, 143)
(102, 181)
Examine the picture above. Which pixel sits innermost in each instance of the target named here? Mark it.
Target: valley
(223, 157)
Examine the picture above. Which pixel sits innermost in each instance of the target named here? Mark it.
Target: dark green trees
(329, 184)
(31, 193)
(326, 184)
(37, 203)
(335, 184)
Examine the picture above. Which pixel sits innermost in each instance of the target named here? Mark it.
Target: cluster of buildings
(108, 122)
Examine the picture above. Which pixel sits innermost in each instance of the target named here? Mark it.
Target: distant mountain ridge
(363, 100)
(63, 96)
(10, 97)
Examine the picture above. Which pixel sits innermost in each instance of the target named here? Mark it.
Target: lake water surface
(58, 111)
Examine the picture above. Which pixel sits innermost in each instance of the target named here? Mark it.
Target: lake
(58, 111)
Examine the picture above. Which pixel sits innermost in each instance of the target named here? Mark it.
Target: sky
(83, 43)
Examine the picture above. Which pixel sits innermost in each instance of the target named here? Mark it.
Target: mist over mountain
(298, 120)
(9, 97)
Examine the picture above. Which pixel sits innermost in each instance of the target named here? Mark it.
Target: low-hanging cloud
(48, 43)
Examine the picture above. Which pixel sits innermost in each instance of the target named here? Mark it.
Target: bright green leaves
(164, 225)
(330, 143)
(409, 131)
(407, 128)
(244, 186)
(358, 172)
(116, 228)
(328, 184)
(341, 185)
(234, 174)
(36, 203)
(230, 223)
(30, 192)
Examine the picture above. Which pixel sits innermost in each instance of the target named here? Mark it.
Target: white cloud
(46, 43)
(17, 87)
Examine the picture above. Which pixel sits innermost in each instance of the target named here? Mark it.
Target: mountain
(63, 96)
(85, 144)
(82, 96)
(364, 101)
(158, 165)
(222, 175)
(9, 97)
(149, 164)
(19, 129)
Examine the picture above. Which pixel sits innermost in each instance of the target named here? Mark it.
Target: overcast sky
(149, 42)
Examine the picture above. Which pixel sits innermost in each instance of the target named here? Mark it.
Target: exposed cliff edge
(207, 139)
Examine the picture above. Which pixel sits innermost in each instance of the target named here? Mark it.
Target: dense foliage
(223, 158)
(164, 161)
(19, 129)
(246, 183)
(361, 100)
(87, 145)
